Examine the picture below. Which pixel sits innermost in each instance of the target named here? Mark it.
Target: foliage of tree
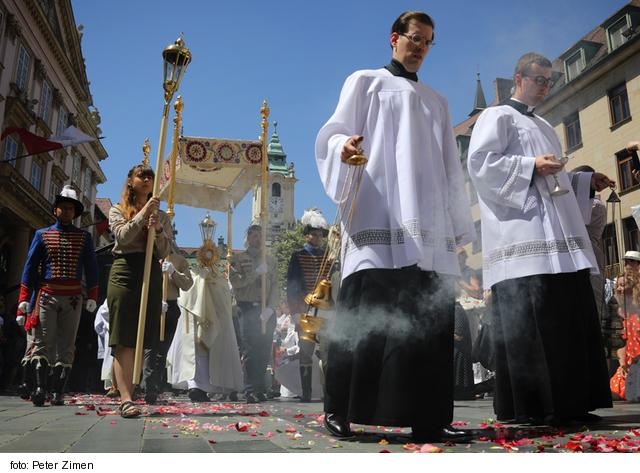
(285, 244)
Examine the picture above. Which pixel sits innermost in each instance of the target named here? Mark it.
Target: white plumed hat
(68, 194)
(313, 219)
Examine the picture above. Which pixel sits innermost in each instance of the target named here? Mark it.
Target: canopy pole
(264, 111)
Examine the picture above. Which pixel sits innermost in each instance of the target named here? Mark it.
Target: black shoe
(151, 398)
(251, 398)
(38, 397)
(233, 396)
(57, 400)
(198, 395)
(261, 397)
(337, 426)
(445, 434)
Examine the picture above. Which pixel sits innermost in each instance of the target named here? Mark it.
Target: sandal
(113, 392)
(128, 410)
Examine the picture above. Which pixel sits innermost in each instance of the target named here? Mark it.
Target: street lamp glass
(176, 59)
(207, 228)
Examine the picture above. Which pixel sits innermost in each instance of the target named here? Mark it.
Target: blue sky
(295, 55)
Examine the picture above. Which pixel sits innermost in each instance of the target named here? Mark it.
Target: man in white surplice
(550, 365)
(389, 356)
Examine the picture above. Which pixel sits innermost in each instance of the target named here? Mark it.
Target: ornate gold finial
(146, 149)
(264, 110)
(178, 105)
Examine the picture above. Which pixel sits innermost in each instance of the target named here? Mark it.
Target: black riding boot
(60, 377)
(39, 395)
(27, 379)
(305, 380)
(150, 374)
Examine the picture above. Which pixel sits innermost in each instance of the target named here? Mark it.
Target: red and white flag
(35, 144)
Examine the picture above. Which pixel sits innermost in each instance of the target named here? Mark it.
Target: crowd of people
(409, 327)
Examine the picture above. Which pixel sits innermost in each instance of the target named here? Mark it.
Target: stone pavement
(90, 424)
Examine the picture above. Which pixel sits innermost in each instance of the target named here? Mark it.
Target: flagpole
(43, 151)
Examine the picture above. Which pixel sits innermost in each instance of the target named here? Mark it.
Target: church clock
(275, 204)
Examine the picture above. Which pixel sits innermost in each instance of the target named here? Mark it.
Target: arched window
(275, 189)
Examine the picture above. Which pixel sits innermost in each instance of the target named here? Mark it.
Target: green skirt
(123, 298)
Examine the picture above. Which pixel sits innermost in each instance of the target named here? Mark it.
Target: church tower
(281, 187)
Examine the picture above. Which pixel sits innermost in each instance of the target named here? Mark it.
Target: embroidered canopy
(212, 172)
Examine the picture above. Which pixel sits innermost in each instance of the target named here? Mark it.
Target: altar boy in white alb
(389, 358)
(550, 365)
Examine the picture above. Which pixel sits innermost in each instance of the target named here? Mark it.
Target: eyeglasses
(542, 81)
(418, 39)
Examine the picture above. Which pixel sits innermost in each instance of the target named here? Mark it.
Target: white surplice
(206, 310)
(412, 207)
(101, 326)
(525, 230)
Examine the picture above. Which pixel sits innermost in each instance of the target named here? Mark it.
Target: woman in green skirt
(130, 220)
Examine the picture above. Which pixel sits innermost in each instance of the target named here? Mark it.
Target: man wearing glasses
(550, 363)
(390, 351)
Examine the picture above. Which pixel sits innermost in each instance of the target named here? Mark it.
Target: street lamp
(207, 228)
(614, 200)
(176, 58)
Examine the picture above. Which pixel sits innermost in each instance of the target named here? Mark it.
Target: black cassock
(548, 347)
(463, 388)
(390, 352)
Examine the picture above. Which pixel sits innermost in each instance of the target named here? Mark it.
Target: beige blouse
(131, 237)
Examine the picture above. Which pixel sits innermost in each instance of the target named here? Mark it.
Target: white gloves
(168, 267)
(90, 305)
(20, 320)
(24, 307)
(165, 305)
(266, 314)
(261, 269)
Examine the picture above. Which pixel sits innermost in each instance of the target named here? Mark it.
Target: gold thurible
(310, 323)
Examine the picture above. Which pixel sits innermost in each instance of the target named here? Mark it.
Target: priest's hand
(547, 164)
(351, 147)
(600, 182)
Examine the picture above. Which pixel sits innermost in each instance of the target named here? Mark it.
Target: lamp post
(176, 58)
(614, 200)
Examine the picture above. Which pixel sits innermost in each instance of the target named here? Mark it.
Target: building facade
(43, 89)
